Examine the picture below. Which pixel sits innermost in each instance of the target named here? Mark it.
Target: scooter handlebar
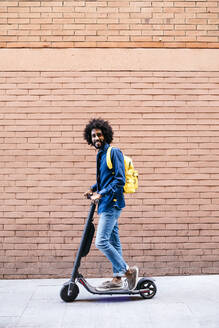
(92, 201)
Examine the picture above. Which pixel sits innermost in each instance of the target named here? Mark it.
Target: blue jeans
(108, 241)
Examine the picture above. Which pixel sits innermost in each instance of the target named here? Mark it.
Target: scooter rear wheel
(149, 287)
(64, 293)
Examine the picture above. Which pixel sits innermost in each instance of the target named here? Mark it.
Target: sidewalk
(180, 302)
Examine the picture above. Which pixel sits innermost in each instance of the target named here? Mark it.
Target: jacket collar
(104, 149)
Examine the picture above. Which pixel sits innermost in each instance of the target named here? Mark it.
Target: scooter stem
(83, 242)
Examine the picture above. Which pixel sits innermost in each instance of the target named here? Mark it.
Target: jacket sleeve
(94, 187)
(119, 173)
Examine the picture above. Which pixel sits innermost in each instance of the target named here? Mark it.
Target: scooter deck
(121, 291)
(100, 291)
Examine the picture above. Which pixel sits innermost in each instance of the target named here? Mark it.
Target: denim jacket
(110, 182)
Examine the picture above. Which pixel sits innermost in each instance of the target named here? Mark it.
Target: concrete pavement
(180, 302)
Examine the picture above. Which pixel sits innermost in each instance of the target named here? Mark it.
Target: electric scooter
(146, 287)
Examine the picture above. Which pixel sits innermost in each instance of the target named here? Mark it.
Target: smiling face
(97, 138)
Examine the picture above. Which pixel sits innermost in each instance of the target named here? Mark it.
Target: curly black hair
(98, 123)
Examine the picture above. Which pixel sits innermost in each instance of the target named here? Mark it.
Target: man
(108, 192)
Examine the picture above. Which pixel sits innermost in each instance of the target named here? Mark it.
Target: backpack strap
(108, 158)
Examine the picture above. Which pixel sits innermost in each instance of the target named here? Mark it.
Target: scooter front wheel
(64, 294)
(148, 287)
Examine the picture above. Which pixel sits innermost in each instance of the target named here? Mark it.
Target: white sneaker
(132, 277)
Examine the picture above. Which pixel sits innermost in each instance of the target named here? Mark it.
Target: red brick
(112, 18)
(46, 166)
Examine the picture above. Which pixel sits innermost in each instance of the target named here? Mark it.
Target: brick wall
(167, 121)
(109, 23)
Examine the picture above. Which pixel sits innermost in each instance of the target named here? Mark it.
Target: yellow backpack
(131, 175)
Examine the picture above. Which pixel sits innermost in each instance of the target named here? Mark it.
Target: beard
(98, 144)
